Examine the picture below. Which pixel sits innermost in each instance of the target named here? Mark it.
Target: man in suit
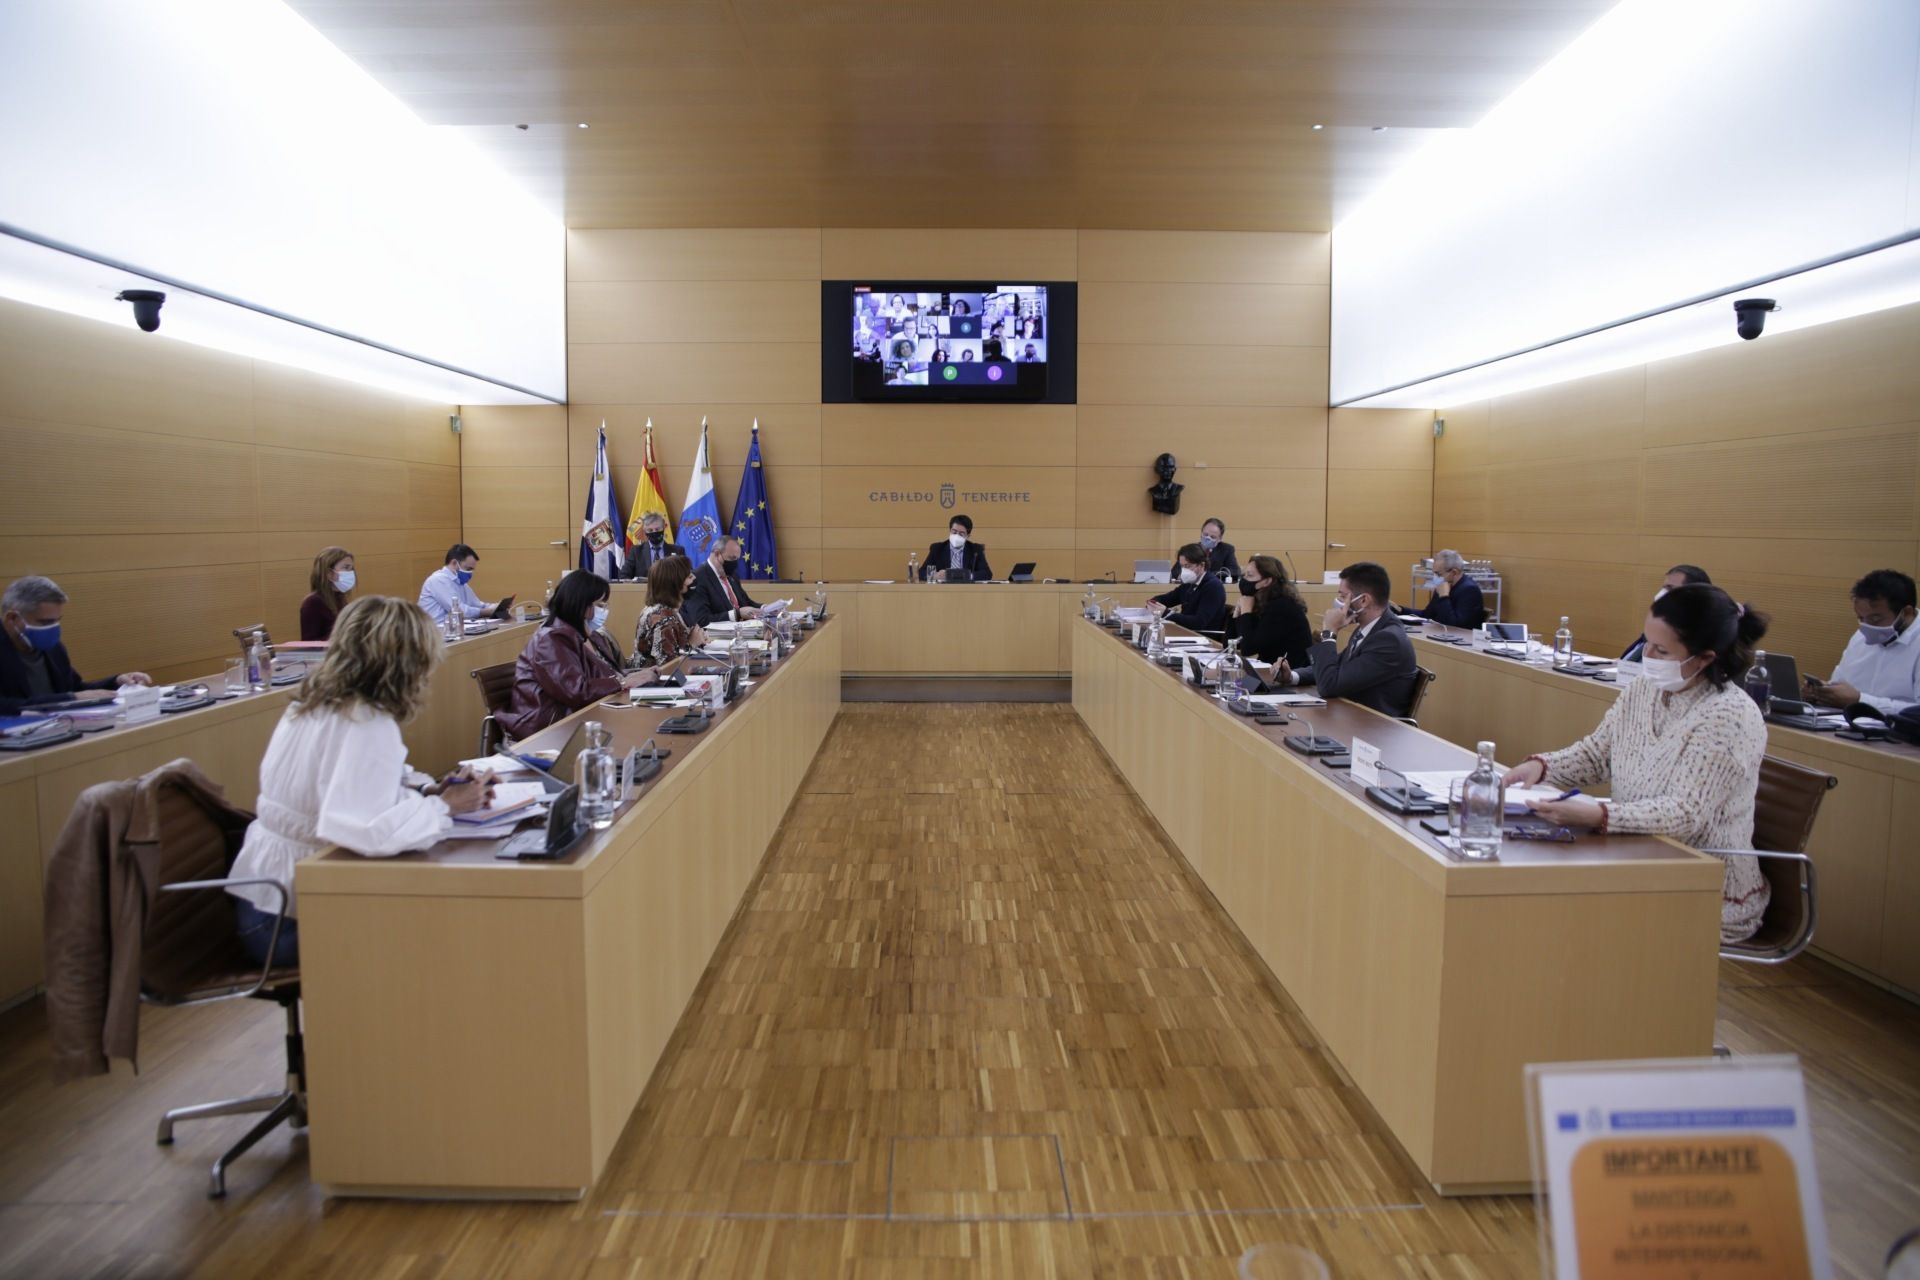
(1681, 575)
(716, 590)
(652, 548)
(1377, 668)
(34, 666)
(1199, 602)
(1220, 554)
(959, 551)
(1457, 600)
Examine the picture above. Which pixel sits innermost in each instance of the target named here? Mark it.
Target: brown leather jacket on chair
(100, 880)
(558, 673)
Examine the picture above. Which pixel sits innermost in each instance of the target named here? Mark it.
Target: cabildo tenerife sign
(950, 496)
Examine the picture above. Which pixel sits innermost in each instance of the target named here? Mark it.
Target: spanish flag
(648, 495)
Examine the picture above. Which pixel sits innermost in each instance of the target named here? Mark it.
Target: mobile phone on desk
(1341, 761)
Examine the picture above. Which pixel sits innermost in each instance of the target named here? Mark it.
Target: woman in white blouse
(1681, 746)
(334, 772)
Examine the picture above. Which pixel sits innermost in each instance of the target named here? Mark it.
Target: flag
(752, 522)
(648, 496)
(603, 534)
(700, 522)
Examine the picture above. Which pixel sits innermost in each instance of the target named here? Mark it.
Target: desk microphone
(1311, 744)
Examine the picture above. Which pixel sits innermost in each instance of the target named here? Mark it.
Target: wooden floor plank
(975, 1019)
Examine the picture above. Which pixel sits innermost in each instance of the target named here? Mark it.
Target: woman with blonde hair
(335, 771)
(331, 580)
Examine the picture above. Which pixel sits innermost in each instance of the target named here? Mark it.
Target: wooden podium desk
(1863, 845)
(480, 1028)
(226, 740)
(1431, 982)
(977, 629)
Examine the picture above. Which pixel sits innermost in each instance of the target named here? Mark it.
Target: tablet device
(1023, 572)
(500, 611)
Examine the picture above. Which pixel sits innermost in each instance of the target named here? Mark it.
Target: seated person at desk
(334, 772)
(1456, 601)
(1881, 665)
(663, 634)
(34, 666)
(447, 586)
(1681, 746)
(717, 591)
(959, 551)
(561, 671)
(1377, 668)
(1681, 575)
(332, 578)
(1221, 560)
(651, 548)
(1199, 602)
(1271, 623)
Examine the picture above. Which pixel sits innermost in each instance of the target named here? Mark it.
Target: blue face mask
(1208, 541)
(464, 575)
(44, 639)
(599, 622)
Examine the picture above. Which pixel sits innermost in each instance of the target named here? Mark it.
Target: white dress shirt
(332, 778)
(1887, 675)
(442, 588)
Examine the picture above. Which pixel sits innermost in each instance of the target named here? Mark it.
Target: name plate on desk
(1366, 763)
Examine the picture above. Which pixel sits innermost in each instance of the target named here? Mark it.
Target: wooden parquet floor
(976, 1019)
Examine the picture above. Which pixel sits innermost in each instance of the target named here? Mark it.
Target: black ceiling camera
(146, 306)
(1750, 315)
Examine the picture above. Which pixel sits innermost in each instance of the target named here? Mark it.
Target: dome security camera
(1750, 316)
(146, 306)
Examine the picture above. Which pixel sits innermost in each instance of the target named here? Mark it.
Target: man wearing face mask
(1220, 554)
(1377, 667)
(1199, 602)
(717, 591)
(448, 584)
(959, 551)
(1881, 665)
(1681, 575)
(1457, 601)
(34, 666)
(652, 547)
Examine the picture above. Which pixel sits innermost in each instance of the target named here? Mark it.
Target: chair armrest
(1760, 853)
(279, 917)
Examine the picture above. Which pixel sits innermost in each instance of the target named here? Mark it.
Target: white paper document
(496, 764)
(1286, 700)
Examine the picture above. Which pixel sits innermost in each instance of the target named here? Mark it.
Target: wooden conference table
(1864, 843)
(1432, 982)
(227, 740)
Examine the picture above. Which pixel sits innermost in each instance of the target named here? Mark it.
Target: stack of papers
(496, 764)
(1133, 613)
(513, 804)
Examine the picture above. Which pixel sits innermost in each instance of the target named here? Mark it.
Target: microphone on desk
(1312, 744)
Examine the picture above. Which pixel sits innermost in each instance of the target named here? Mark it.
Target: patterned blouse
(660, 637)
(1684, 765)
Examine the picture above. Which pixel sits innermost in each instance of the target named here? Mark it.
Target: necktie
(732, 600)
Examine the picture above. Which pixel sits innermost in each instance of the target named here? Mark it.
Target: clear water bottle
(913, 567)
(1758, 684)
(1563, 646)
(1482, 808)
(259, 664)
(1156, 639)
(1089, 605)
(456, 621)
(599, 774)
(1228, 672)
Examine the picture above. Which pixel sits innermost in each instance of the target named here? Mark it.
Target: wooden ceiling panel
(1146, 114)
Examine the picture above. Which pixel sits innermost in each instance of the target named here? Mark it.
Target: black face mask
(655, 535)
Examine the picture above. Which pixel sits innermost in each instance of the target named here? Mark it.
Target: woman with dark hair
(1271, 619)
(663, 633)
(330, 581)
(1681, 746)
(561, 671)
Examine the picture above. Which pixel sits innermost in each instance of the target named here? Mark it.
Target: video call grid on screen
(951, 337)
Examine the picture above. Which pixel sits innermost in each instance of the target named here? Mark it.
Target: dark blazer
(708, 599)
(641, 557)
(13, 675)
(1278, 631)
(1223, 557)
(973, 558)
(1377, 672)
(1201, 606)
(1463, 606)
(559, 672)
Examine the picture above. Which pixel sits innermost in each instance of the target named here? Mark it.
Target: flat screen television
(949, 340)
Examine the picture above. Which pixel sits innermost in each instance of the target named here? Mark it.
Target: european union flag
(752, 522)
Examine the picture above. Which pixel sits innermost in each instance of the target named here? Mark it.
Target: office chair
(191, 954)
(1422, 679)
(496, 690)
(1784, 808)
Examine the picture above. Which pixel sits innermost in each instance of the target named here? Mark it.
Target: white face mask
(599, 617)
(1668, 675)
(344, 580)
(1189, 576)
(956, 540)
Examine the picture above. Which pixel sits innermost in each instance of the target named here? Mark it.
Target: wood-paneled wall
(1211, 345)
(1786, 467)
(177, 492)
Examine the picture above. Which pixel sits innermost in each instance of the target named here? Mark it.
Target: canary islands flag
(649, 498)
(700, 523)
(603, 534)
(752, 522)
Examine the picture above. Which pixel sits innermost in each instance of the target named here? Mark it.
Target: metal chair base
(288, 1107)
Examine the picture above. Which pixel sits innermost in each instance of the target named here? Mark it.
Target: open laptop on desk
(1509, 639)
(1023, 572)
(1153, 571)
(1783, 677)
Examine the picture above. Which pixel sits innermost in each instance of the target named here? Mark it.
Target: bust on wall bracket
(1165, 496)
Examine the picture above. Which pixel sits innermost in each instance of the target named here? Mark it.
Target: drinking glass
(236, 675)
(1456, 802)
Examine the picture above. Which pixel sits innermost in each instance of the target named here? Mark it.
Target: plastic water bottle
(1156, 639)
(456, 621)
(1089, 605)
(1228, 672)
(546, 601)
(913, 567)
(599, 775)
(1482, 808)
(1758, 684)
(1563, 646)
(259, 664)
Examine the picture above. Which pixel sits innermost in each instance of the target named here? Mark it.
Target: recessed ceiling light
(583, 124)
(1319, 127)
(1379, 128)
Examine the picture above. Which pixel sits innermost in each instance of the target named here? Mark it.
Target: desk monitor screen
(1783, 675)
(1023, 572)
(1153, 571)
(949, 340)
(1504, 633)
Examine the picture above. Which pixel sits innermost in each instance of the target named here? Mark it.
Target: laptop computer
(557, 838)
(1023, 572)
(1153, 571)
(1507, 638)
(1783, 677)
